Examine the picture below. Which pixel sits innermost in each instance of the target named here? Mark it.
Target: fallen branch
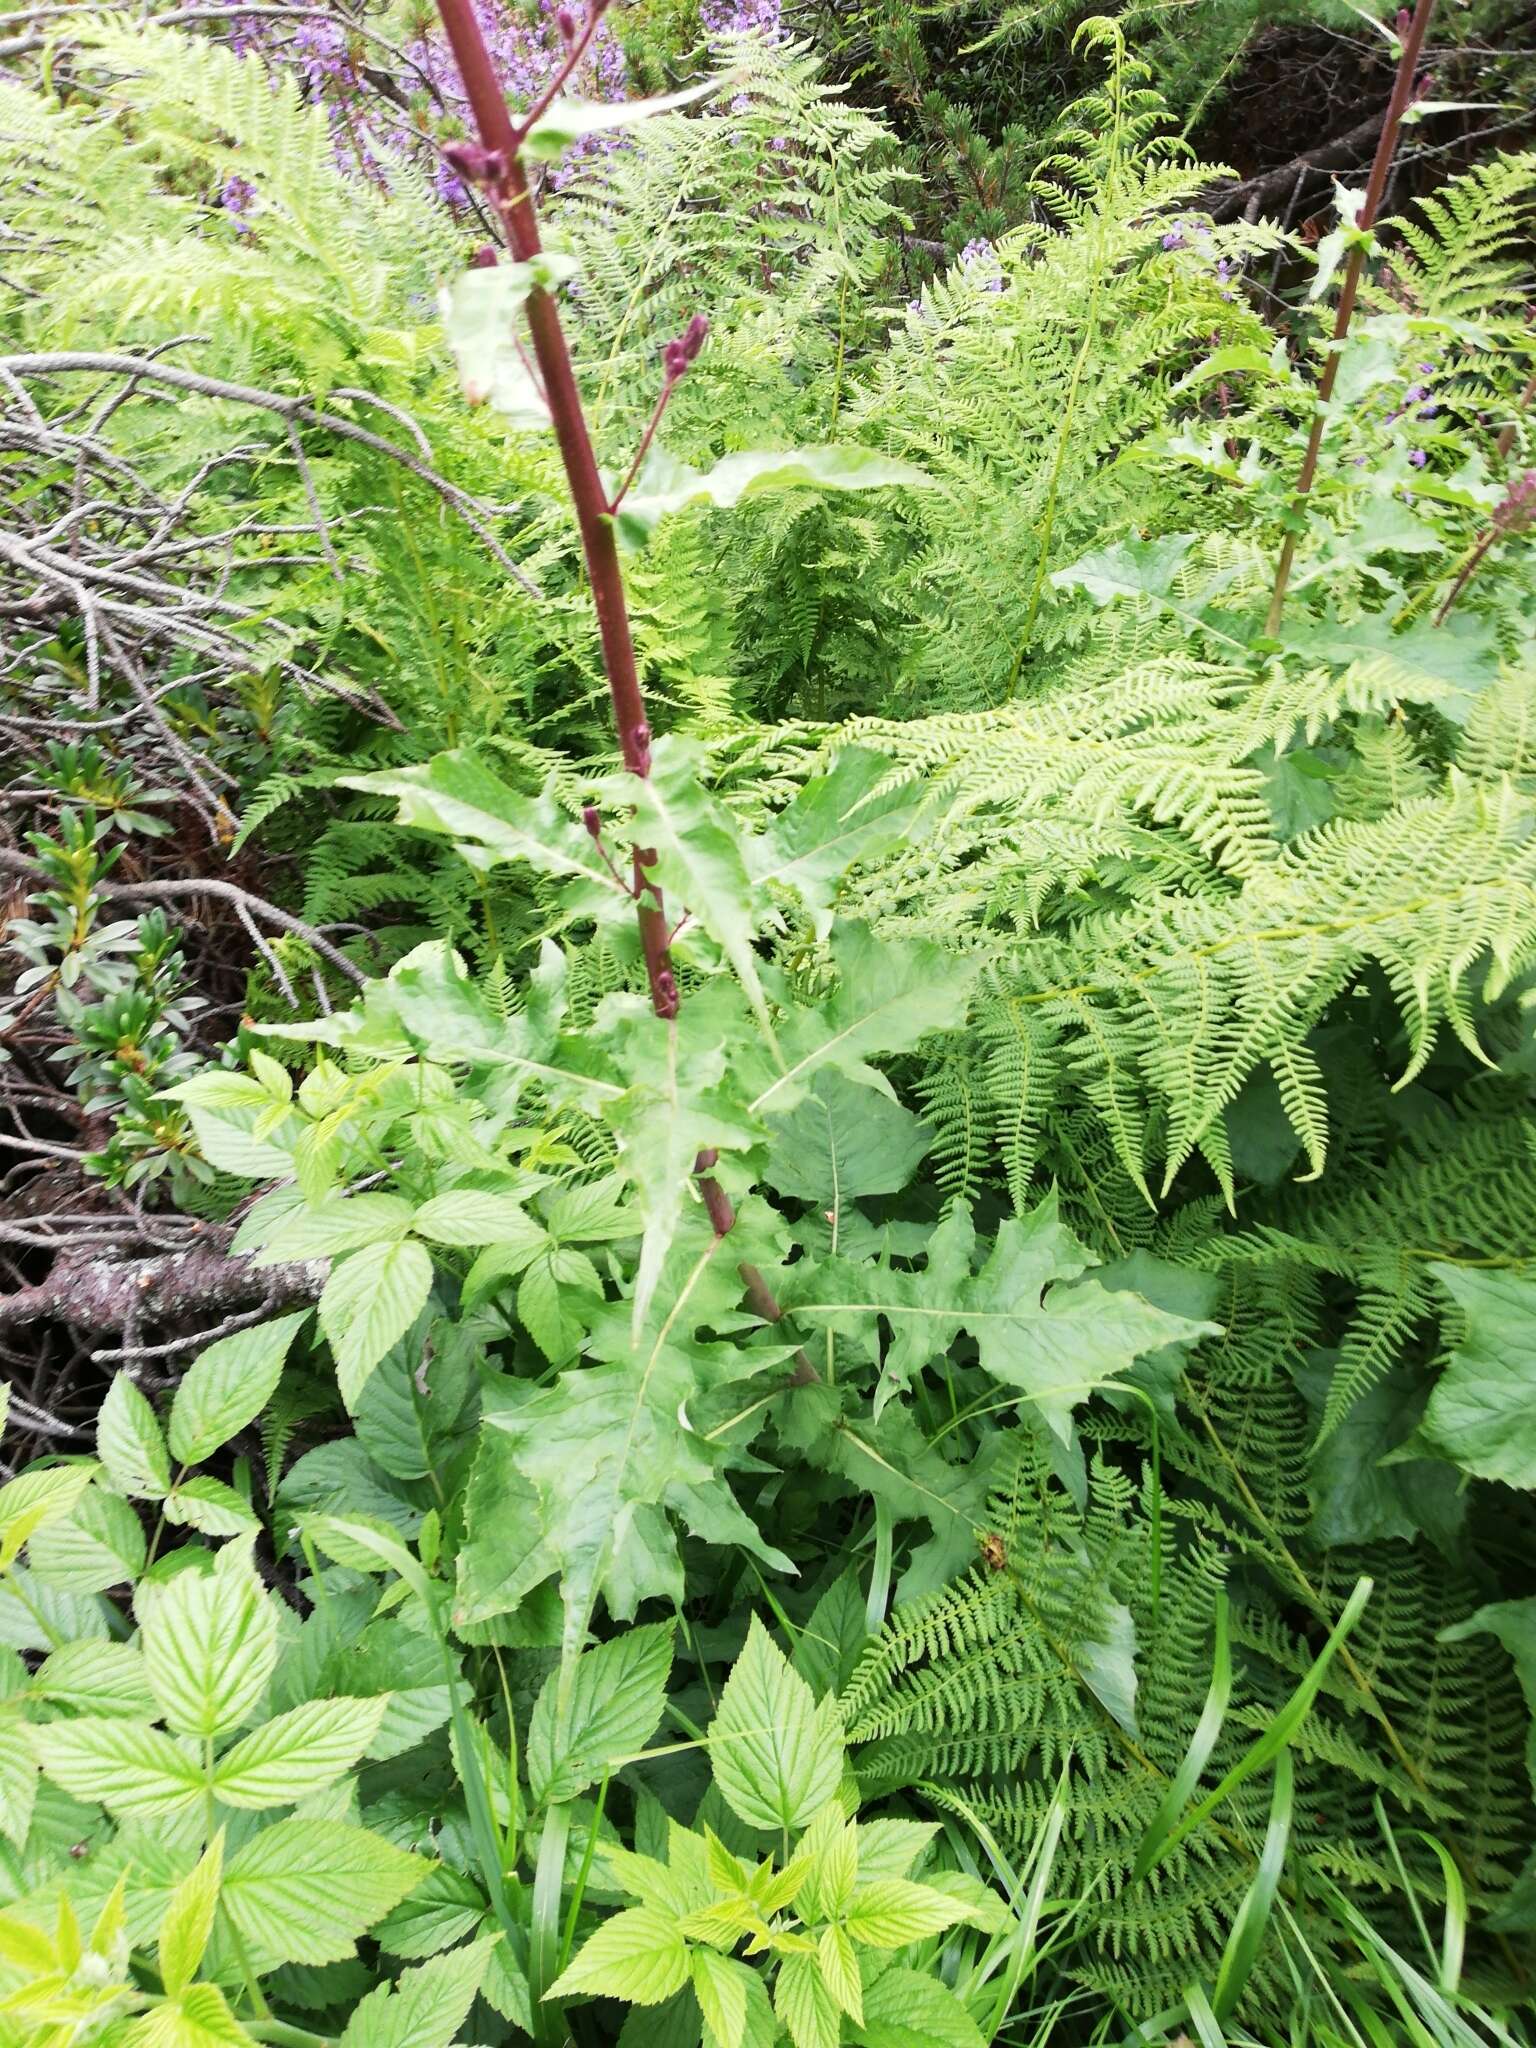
(1345, 152)
(105, 1291)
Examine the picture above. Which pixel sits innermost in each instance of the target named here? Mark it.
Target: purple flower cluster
(526, 51)
(980, 255)
(237, 196)
(1187, 231)
(1417, 403)
(721, 18)
(527, 48)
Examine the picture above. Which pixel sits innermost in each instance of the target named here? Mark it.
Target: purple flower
(1418, 458)
(720, 18)
(1415, 393)
(1174, 239)
(979, 254)
(525, 48)
(237, 196)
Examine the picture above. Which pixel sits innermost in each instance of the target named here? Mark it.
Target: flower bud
(565, 21)
(592, 820)
(475, 165)
(485, 257)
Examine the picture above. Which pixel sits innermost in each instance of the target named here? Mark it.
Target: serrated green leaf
(639, 1955)
(457, 795)
(228, 1385)
(891, 1911)
(699, 862)
(555, 1300)
(889, 1848)
(80, 1545)
(721, 1987)
(326, 1228)
(188, 1919)
(441, 1911)
(371, 1300)
(298, 1754)
(683, 1098)
(840, 1972)
(136, 1770)
(33, 1499)
(835, 821)
(829, 1851)
(209, 1506)
(425, 2007)
(209, 1641)
(579, 1478)
(464, 1216)
(890, 994)
(776, 1756)
(615, 1699)
(805, 2005)
(1129, 569)
(843, 1141)
(1038, 1326)
(302, 1891)
(906, 2009)
(100, 1678)
(129, 1443)
(199, 2018)
(18, 1778)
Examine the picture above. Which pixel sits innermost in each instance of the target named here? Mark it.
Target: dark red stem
(669, 385)
(509, 192)
(1375, 192)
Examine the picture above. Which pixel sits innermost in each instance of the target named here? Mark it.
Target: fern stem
(1375, 192)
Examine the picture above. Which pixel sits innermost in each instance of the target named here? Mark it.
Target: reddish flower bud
(693, 336)
(592, 820)
(485, 257)
(476, 166)
(565, 21)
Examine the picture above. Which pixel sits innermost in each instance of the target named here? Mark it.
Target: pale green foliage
(1196, 1288)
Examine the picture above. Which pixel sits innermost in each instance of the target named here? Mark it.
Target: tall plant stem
(507, 186)
(1375, 192)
